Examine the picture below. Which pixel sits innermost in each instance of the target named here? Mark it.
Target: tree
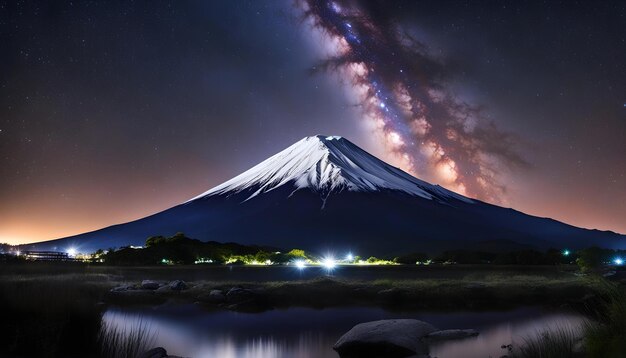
(297, 253)
(178, 236)
(591, 258)
(155, 240)
(412, 259)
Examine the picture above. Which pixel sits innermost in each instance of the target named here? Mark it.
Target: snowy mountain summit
(326, 165)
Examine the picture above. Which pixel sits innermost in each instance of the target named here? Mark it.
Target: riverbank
(55, 309)
(415, 287)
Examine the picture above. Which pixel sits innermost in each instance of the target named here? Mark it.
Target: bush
(592, 258)
(412, 258)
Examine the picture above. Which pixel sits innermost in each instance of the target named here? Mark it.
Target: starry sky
(110, 111)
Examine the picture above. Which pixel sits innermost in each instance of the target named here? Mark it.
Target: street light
(71, 252)
(300, 265)
(329, 263)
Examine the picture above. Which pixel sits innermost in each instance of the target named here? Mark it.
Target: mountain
(324, 193)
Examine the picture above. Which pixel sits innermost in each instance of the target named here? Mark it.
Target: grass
(125, 342)
(601, 336)
(605, 336)
(53, 310)
(559, 342)
(50, 315)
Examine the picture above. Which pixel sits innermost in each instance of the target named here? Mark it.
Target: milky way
(404, 94)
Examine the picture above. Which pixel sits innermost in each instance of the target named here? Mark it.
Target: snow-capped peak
(327, 164)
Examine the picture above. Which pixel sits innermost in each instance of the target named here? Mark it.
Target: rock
(237, 295)
(177, 285)
(449, 334)
(164, 288)
(158, 352)
(387, 338)
(246, 300)
(123, 288)
(215, 296)
(149, 285)
(579, 347)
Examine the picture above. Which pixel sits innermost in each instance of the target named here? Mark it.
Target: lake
(191, 331)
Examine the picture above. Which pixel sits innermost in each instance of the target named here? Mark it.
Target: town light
(618, 261)
(329, 263)
(71, 252)
(565, 252)
(299, 264)
(349, 257)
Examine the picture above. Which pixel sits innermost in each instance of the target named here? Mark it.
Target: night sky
(110, 111)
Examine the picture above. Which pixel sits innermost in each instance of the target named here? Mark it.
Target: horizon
(209, 192)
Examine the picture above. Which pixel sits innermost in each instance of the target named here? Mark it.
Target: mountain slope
(325, 193)
(325, 165)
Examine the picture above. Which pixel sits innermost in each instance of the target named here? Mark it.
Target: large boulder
(149, 285)
(177, 285)
(385, 338)
(216, 296)
(238, 295)
(450, 334)
(246, 300)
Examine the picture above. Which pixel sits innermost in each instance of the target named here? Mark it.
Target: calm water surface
(189, 331)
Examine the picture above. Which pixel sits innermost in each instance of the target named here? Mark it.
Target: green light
(566, 252)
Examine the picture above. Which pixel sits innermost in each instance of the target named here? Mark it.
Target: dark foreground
(55, 310)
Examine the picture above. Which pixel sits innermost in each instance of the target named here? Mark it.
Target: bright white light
(299, 264)
(18, 252)
(349, 257)
(565, 252)
(71, 252)
(618, 261)
(329, 263)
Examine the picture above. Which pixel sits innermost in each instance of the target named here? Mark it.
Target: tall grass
(559, 342)
(127, 341)
(605, 336)
(49, 315)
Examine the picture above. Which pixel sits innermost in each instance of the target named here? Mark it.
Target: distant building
(47, 256)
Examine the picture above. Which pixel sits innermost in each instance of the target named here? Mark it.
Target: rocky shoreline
(327, 292)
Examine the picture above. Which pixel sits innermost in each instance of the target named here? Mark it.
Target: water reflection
(306, 333)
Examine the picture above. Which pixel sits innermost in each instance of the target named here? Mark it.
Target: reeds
(558, 342)
(127, 341)
(605, 336)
